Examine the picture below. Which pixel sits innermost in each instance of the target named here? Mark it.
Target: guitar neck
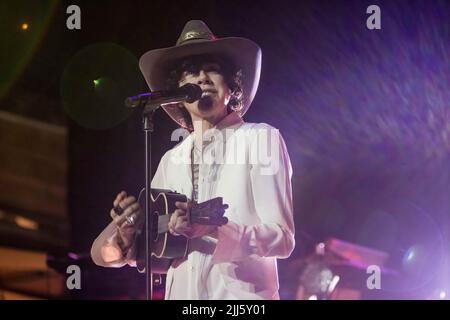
(207, 213)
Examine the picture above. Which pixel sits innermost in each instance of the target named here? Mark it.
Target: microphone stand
(147, 118)
(190, 93)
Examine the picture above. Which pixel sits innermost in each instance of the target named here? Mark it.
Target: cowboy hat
(197, 39)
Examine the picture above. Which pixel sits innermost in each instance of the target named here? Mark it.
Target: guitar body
(165, 246)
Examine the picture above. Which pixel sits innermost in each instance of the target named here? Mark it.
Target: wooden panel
(25, 275)
(20, 260)
(33, 165)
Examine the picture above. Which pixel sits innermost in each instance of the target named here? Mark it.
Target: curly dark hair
(232, 76)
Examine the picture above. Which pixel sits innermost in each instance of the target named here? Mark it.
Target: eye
(190, 70)
(187, 74)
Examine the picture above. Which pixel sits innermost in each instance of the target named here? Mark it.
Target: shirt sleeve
(105, 250)
(272, 200)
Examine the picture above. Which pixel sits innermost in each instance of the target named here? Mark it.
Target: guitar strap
(194, 180)
(194, 175)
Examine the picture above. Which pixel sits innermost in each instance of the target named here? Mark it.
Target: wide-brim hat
(197, 39)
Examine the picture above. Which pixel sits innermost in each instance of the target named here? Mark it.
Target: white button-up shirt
(246, 164)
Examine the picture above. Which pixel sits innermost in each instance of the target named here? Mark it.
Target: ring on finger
(131, 220)
(118, 210)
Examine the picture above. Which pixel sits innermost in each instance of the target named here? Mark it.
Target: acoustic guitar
(165, 247)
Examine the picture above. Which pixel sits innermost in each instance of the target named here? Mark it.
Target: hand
(131, 210)
(179, 223)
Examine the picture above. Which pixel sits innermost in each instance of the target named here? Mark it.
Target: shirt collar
(231, 121)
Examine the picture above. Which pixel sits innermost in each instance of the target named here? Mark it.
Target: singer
(237, 260)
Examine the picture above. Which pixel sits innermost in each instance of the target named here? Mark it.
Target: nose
(203, 78)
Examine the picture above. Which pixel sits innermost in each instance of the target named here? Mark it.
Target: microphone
(189, 93)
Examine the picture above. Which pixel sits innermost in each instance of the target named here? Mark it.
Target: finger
(173, 218)
(171, 226)
(133, 209)
(171, 230)
(122, 195)
(125, 226)
(174, 233)
(113, 214)
(178, 218)
(180, 213)
(181, 222)
(179, 229)
(181, 205)
(127, 202)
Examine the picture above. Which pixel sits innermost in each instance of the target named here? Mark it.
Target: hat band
(196, 35)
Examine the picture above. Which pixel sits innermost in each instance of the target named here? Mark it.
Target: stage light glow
(73, 255)
(410, 255)
(96, 82)
(26, 223)
(24, 26)
(333, 283)
(320, 248)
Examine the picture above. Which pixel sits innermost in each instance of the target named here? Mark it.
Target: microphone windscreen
(193, 91)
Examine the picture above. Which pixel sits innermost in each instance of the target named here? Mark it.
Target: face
(216, 93)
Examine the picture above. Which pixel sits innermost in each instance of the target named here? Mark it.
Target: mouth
(208, 92)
